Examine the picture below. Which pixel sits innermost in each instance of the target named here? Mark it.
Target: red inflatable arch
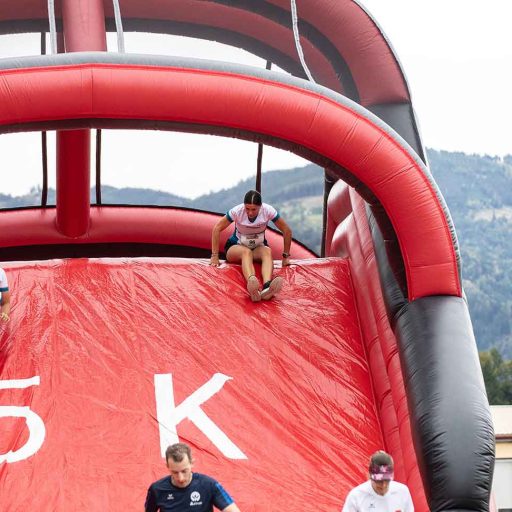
(87, 93)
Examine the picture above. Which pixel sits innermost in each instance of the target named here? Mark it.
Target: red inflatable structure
(123, 339)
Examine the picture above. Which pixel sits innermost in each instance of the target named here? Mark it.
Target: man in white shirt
(380, 493)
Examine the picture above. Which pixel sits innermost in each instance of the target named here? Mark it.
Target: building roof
(502, 420)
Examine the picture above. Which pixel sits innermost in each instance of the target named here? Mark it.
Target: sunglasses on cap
(381, 472)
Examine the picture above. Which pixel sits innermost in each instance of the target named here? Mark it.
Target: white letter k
(168, 415)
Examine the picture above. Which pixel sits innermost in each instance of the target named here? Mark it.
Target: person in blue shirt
(185, 490)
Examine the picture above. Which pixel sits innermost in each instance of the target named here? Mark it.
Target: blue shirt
(200, 495)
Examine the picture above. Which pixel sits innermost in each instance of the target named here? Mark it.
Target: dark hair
(177, 452)
(253, 197)
(381, 458)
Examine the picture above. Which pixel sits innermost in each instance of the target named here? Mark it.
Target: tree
(497, 376)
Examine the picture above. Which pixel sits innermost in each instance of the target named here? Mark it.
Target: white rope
(119, 26)
(53, 26)
(295, 22)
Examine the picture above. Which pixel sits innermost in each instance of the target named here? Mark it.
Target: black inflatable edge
(449, 411)
(100, 250)
(400, 116)
(80, 248)
(390, 264)
(254, 46)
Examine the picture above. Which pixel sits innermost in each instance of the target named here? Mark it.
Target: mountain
(278, 188)
(477, 189)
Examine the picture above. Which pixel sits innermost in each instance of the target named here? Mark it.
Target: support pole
(44, 143)
(83, 23)
(98, 166)
(73, 182)
(259, 160)
(329, 181)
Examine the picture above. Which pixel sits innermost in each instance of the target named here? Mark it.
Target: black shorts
(233, 240)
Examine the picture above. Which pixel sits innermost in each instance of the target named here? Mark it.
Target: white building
(502, 482)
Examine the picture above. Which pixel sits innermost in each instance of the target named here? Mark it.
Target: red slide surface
(106, 360)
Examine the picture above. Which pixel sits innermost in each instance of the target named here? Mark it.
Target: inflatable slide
(122, 338)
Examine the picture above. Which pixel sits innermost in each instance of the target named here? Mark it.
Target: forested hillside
(477, 189)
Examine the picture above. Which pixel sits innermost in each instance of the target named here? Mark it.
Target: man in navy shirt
(185, 490)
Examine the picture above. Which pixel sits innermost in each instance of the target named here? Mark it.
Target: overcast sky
(456, 54)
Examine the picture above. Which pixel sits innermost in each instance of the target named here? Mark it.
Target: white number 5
(34, 422)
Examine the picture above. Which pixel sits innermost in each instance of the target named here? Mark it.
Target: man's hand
(214, 260)
(285, 262)
(4, 316)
